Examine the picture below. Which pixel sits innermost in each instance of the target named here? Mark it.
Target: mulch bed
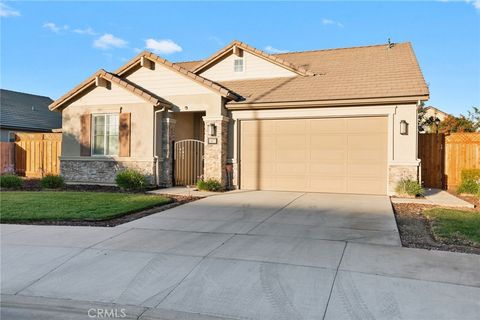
(176, 201)
(416, 232)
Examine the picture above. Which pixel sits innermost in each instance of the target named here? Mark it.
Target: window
(238, 65)
(105, 135)
(11, 136)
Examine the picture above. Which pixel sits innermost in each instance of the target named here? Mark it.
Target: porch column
(215, 156)
(168, 136)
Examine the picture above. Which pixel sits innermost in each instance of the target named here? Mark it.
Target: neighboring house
(339, 120)
(24, 112)
(433, 116)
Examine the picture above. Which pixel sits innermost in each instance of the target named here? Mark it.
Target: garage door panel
(366, 125)
(345, 155)
(336, 125)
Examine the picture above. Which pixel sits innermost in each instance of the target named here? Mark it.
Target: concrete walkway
(251, 255)
(436, 197)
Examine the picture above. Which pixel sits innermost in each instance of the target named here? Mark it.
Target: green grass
(72, 206)
(455, 225)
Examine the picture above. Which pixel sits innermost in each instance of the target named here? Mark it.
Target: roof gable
(226, 51)
(211, 85)
(90, 84)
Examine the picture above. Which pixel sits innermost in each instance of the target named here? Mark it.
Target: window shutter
(124, 134)
(85, 134)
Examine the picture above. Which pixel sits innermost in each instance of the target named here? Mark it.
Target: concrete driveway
(241, 255)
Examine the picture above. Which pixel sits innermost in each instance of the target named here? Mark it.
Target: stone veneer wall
(215, 156)
(399, 172)
(166, 160)
(103, 171)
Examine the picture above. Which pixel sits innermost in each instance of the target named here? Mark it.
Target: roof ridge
(342, 48)
(26, 93)
(307, 51)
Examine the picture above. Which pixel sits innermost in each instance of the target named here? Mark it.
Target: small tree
(474, 116)
(456, 124)
(425, 121)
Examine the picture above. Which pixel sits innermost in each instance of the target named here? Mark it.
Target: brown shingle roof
(371, 72)
(127, 85)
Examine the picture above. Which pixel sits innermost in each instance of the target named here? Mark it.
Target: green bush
(52, 181)
(11, 181)
(470, 181)
(471, 174)
(409, 187)
(209, 185)
(130, 179)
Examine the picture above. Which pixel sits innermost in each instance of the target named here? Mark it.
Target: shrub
(10, 181)
(470, 181)
(471, 174)
(130, 179)
(209, 185)
(52, 181)
(409, 187)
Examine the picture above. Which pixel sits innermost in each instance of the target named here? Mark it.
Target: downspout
(155, 156)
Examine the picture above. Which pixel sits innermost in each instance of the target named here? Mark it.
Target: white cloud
(137, 50)
(162, 46)
(109, 41)
(274, 50)
(476, 4)
(332, 22)
(54, 28)
(6, 11)
(87, 30)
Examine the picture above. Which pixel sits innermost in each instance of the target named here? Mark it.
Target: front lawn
(72, 206)
(455, 225)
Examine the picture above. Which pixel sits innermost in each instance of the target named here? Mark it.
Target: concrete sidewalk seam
(190, 272)
(69, 259)
(274, 213)
(333, 282)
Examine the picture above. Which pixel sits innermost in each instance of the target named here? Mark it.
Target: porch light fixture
(212, 130)
(403, 127)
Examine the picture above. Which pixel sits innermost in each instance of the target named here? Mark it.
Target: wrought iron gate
(188, 162)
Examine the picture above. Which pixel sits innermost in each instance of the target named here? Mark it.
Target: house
(24, 112)
(432, 117)
(338, 120)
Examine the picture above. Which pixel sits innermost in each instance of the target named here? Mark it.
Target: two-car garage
(341, 155)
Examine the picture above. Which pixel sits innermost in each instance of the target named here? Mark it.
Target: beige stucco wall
(401, 149)
(141, 126)
(254, 68)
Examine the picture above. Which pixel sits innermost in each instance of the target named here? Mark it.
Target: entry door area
(339, 155)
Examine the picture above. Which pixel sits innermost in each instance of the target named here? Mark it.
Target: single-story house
(336, 120)
(24, 112)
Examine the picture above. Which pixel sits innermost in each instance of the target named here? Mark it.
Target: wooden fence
(7, 160)
(37, 154)
(445, 156)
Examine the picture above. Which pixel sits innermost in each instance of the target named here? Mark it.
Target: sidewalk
(436, 197)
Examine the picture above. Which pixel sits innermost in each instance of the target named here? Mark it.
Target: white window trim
(92, 135)
(243, 64)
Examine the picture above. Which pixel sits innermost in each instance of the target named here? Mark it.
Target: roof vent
(390, 44)
(33, 108)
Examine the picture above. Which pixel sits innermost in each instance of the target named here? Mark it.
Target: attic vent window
(238, 65)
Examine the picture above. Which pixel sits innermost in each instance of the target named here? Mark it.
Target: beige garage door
(343, 155)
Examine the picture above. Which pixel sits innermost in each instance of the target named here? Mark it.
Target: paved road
(246, 255)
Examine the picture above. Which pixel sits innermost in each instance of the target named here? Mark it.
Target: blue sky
(48, 48)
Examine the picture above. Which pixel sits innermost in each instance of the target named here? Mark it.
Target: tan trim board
(122, 83)
(215, 87)
(324, 103)
(259, 53)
